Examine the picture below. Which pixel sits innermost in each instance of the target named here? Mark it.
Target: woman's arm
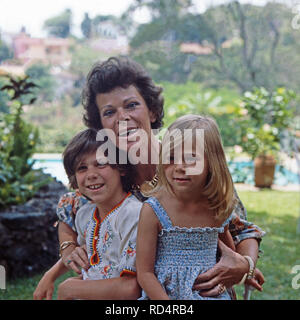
(45, 287)
(121, 288)
(77, 255)
(67, 209)
(232, 265)
(148, 229)
(229, 270)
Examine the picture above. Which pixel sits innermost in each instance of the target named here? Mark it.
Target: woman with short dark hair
(119, 91)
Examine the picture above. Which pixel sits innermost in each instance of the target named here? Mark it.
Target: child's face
(100, 182)
(179, 180)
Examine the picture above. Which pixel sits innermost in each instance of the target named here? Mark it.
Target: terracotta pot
(264, 171)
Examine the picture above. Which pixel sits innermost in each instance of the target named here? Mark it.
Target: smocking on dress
(182, 254)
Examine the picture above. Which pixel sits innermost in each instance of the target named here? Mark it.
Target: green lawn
(275, 212)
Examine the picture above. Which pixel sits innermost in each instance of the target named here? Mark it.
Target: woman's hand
(76, 259)
(228, 271)
(257, 281)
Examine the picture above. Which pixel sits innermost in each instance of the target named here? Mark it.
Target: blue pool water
(244, 172)
(240, 171)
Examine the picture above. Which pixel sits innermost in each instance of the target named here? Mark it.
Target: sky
(32, 13)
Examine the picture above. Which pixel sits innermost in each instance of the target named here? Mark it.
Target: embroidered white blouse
(111, 243)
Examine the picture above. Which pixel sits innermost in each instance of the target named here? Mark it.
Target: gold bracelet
(250, 273)
(64, 245)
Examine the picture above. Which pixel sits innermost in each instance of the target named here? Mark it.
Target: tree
(40, 74)
(5, 51)
(167, 17)
(86, 26)
(156, 44)
(59, 26)
(249, 59)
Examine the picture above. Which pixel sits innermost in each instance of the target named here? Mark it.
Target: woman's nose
(122, 115)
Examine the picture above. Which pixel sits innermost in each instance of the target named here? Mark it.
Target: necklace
(147, 185)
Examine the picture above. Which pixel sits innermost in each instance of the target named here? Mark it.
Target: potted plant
(265, 116)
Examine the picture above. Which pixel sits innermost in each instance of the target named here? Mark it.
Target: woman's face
(124, 111)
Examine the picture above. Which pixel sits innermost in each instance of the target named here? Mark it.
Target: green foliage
(59, 26)
(86, 26)
(58, 123)
(222, 105)
(251, 46)
(4, 97)
(266, 115)
(162, 60)
(41, 76)
(18, 181)
(5, 52)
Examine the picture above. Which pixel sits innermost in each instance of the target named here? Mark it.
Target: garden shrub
(18, 139)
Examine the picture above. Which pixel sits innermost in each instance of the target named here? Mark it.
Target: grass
(275, 212)
(22, 289)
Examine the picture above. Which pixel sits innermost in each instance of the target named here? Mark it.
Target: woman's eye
(132, 105)
(108, 113)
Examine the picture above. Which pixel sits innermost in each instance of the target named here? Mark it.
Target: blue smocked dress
(182, 254)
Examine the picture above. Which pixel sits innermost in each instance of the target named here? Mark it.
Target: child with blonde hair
(188, 211)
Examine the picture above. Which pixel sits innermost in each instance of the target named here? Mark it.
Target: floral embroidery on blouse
(240, 228)
(111, 242)
(130, 251)
(107, 271)
(107, 237)
(95, 258)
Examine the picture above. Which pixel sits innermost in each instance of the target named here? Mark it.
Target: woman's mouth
(128, 132)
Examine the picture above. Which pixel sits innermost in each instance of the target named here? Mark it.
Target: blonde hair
(219, 187)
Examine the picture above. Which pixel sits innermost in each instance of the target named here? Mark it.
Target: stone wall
(28, 237)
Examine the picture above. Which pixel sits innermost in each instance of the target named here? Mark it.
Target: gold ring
(221, 288)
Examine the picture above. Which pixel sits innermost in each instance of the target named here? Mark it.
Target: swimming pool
(241, 172)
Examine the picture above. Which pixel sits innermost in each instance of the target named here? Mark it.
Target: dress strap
(227, 221)
(160, 212)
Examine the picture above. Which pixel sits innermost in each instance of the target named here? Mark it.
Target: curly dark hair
(120, 72)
